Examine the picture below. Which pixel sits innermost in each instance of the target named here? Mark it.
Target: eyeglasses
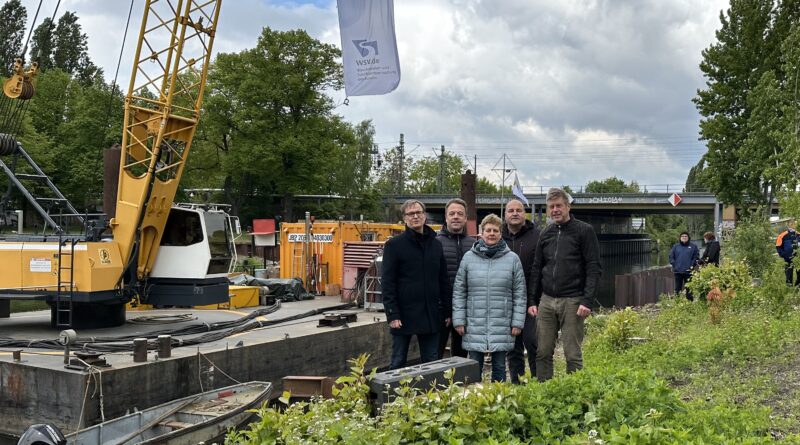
(414, 214)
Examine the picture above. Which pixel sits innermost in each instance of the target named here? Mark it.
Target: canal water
(622, 254)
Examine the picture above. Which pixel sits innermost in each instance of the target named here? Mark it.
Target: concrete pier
(38, 388)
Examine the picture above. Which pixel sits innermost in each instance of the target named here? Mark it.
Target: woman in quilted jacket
(489, 298)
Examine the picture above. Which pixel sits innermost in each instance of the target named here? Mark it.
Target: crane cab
(195, 256)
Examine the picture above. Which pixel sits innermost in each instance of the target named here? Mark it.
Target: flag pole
(503, 189)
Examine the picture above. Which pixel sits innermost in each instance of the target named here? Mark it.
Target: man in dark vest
(521, 237)
(455, 243)
(414, 287)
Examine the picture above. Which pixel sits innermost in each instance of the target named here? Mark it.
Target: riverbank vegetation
(719, 371)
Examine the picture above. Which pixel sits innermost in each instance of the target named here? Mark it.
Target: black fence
(643, 287)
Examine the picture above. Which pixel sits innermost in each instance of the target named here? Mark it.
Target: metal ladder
(42, 204)
(298, 260)
(65, 290)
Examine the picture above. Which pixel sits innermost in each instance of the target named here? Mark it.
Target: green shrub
(752, 244)
(618, 329)
(612, 405)
(731, 277)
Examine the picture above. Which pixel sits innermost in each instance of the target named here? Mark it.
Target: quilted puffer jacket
(489, 299)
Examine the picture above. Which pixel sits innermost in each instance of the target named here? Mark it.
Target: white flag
(516, 189)
(369, 46)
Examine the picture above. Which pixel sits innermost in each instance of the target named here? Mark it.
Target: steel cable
(208, 332)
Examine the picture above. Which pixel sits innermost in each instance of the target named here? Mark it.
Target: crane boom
(162, 109)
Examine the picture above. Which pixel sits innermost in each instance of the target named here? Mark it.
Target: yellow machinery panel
(97, 266)
(11, 269)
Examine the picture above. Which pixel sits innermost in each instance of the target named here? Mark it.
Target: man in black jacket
(521, 237)
(566, 271)
(414, 287)
(455, 243)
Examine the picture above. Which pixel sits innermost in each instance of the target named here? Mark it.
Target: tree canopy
(12, 30)
(611, 185)
(270, 133)
(749, 105)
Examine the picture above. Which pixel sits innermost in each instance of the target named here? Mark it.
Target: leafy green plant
(752, 244)
(730, 277)
(619, 329)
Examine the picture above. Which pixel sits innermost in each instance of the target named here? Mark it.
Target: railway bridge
(613, 212)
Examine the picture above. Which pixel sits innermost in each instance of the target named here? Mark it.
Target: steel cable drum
(28, 90)
(8, 144)
(19, 87)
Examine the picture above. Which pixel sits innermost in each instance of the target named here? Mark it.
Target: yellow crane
(88, 282)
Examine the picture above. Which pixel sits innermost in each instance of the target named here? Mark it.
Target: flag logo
(363, 47)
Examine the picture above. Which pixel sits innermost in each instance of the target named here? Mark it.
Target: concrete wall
(29, 394)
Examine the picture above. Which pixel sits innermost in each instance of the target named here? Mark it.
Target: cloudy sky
(570, 91)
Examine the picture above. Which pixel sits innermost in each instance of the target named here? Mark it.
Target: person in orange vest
(786, 245)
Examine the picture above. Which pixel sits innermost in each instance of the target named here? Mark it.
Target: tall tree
(42, 44)
(437, 174)
(733, 66)
(350, 169)
(694, 180)
(747, 104)
(12, 32)
(789, 138)
(267, 110)
(64, 46)
(392, 176)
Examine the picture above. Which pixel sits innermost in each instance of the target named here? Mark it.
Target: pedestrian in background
(683, 257)
(415, 287)
(489, 298)
(564, 278)
(455, 244)
(786, 245)
(521, 237)
(711, 253)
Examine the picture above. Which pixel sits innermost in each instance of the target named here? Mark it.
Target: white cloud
(572, 91)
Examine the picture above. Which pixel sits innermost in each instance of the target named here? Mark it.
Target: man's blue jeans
(428, 349)
(498, 364)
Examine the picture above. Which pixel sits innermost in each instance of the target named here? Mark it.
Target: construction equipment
(158, 253)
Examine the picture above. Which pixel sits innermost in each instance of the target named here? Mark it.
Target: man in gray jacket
(455, 243)
(561, 293)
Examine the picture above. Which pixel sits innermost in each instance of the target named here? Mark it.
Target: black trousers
(456, 350)
(789, 268)
(516, 356)
(427, 348)
(680, 281)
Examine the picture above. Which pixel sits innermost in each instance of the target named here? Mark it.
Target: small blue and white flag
(516, 189)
